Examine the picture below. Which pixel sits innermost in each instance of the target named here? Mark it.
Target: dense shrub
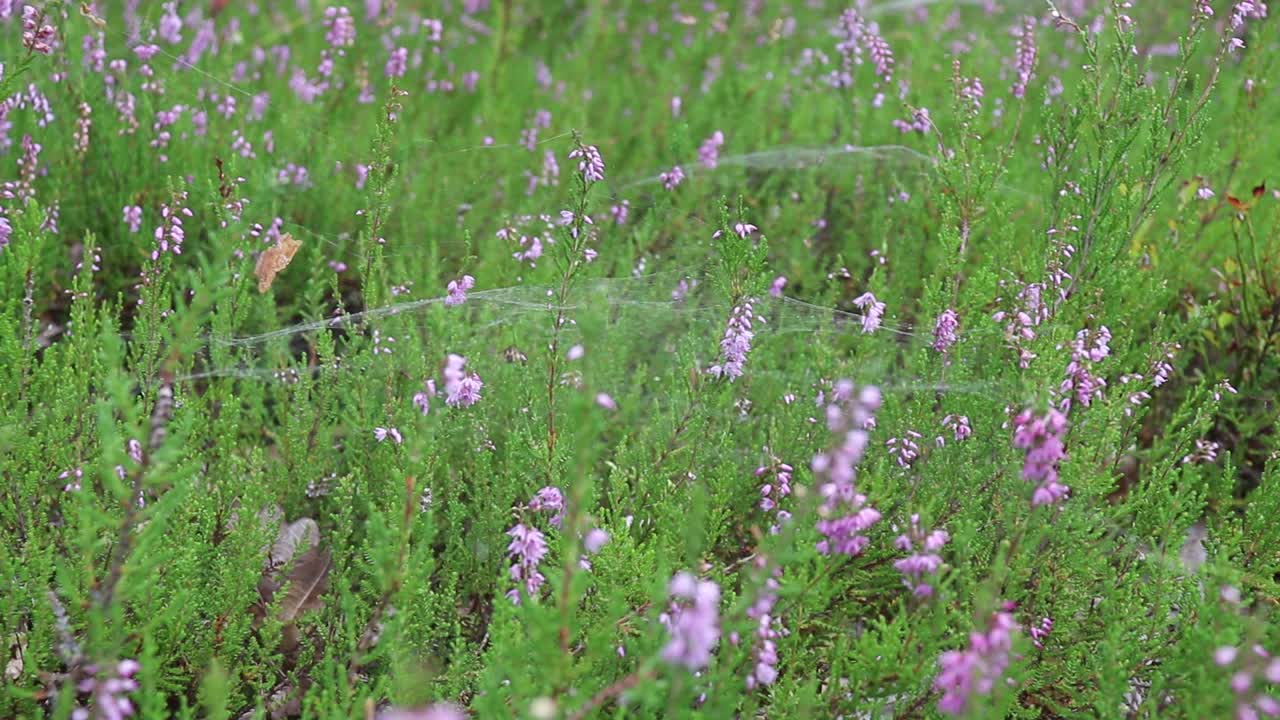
(565, 360)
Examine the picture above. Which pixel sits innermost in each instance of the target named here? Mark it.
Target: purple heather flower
(37, 35)
(682, 289)
(527, 548)
(241, 146)
(976, 669)
(1087, 348)
(693, 622)
(397, 63)
(433, 29)
(292, 174)
(258, 106)
(1252, 700)
(776, 477)
(1242, 11)
(457, 290)
(850, 31)
(382, 344)
(878, 50)
(1025, 61)
(944, 330)
(971, 89)
(1162, 367)
(959, 426)
(1040, 632)
(872, 311)
(777, 484)
(23, 189)
(1206, 452)
(73, 478)
(133, 217)
(904, 449)
(920, 123)
(764, 652)
(169, 28)
(549, 499)
(170, 233)
(606, 401)
(95, 52)
(709, 152)
(381, 434)
(1042, 438)
(620, 212)
(1204, 192)
(672, 178)
(775, 288)
(736, 342)
(107, 693)
(462, 389)
(595, 539)
(591, 165)
(341, 27)
(924, 560)
(422, 399)
(835, 470)
(84, 124)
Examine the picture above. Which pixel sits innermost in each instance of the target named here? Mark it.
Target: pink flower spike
(775, 289)
(457, 290)
(595, 539)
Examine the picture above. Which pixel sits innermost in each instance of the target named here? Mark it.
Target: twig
(611, 692)
(160, 416)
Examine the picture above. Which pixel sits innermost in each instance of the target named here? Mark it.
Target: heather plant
(500, 359)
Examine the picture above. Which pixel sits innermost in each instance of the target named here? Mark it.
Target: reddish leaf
(1260, 189)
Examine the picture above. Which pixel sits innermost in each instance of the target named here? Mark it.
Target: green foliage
(166, 429)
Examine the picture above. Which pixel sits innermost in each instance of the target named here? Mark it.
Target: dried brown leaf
(307, 582)
(274, 260)
(298, 536)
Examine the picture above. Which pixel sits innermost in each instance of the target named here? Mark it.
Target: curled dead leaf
(298, 536)
(274, 260)
(86, 10)
(296, 563)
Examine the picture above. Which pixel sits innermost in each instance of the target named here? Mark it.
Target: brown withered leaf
(307, 582)
(296, 563)
(1259, 189)
(274, 260)
(86, 9)
(300, 535)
